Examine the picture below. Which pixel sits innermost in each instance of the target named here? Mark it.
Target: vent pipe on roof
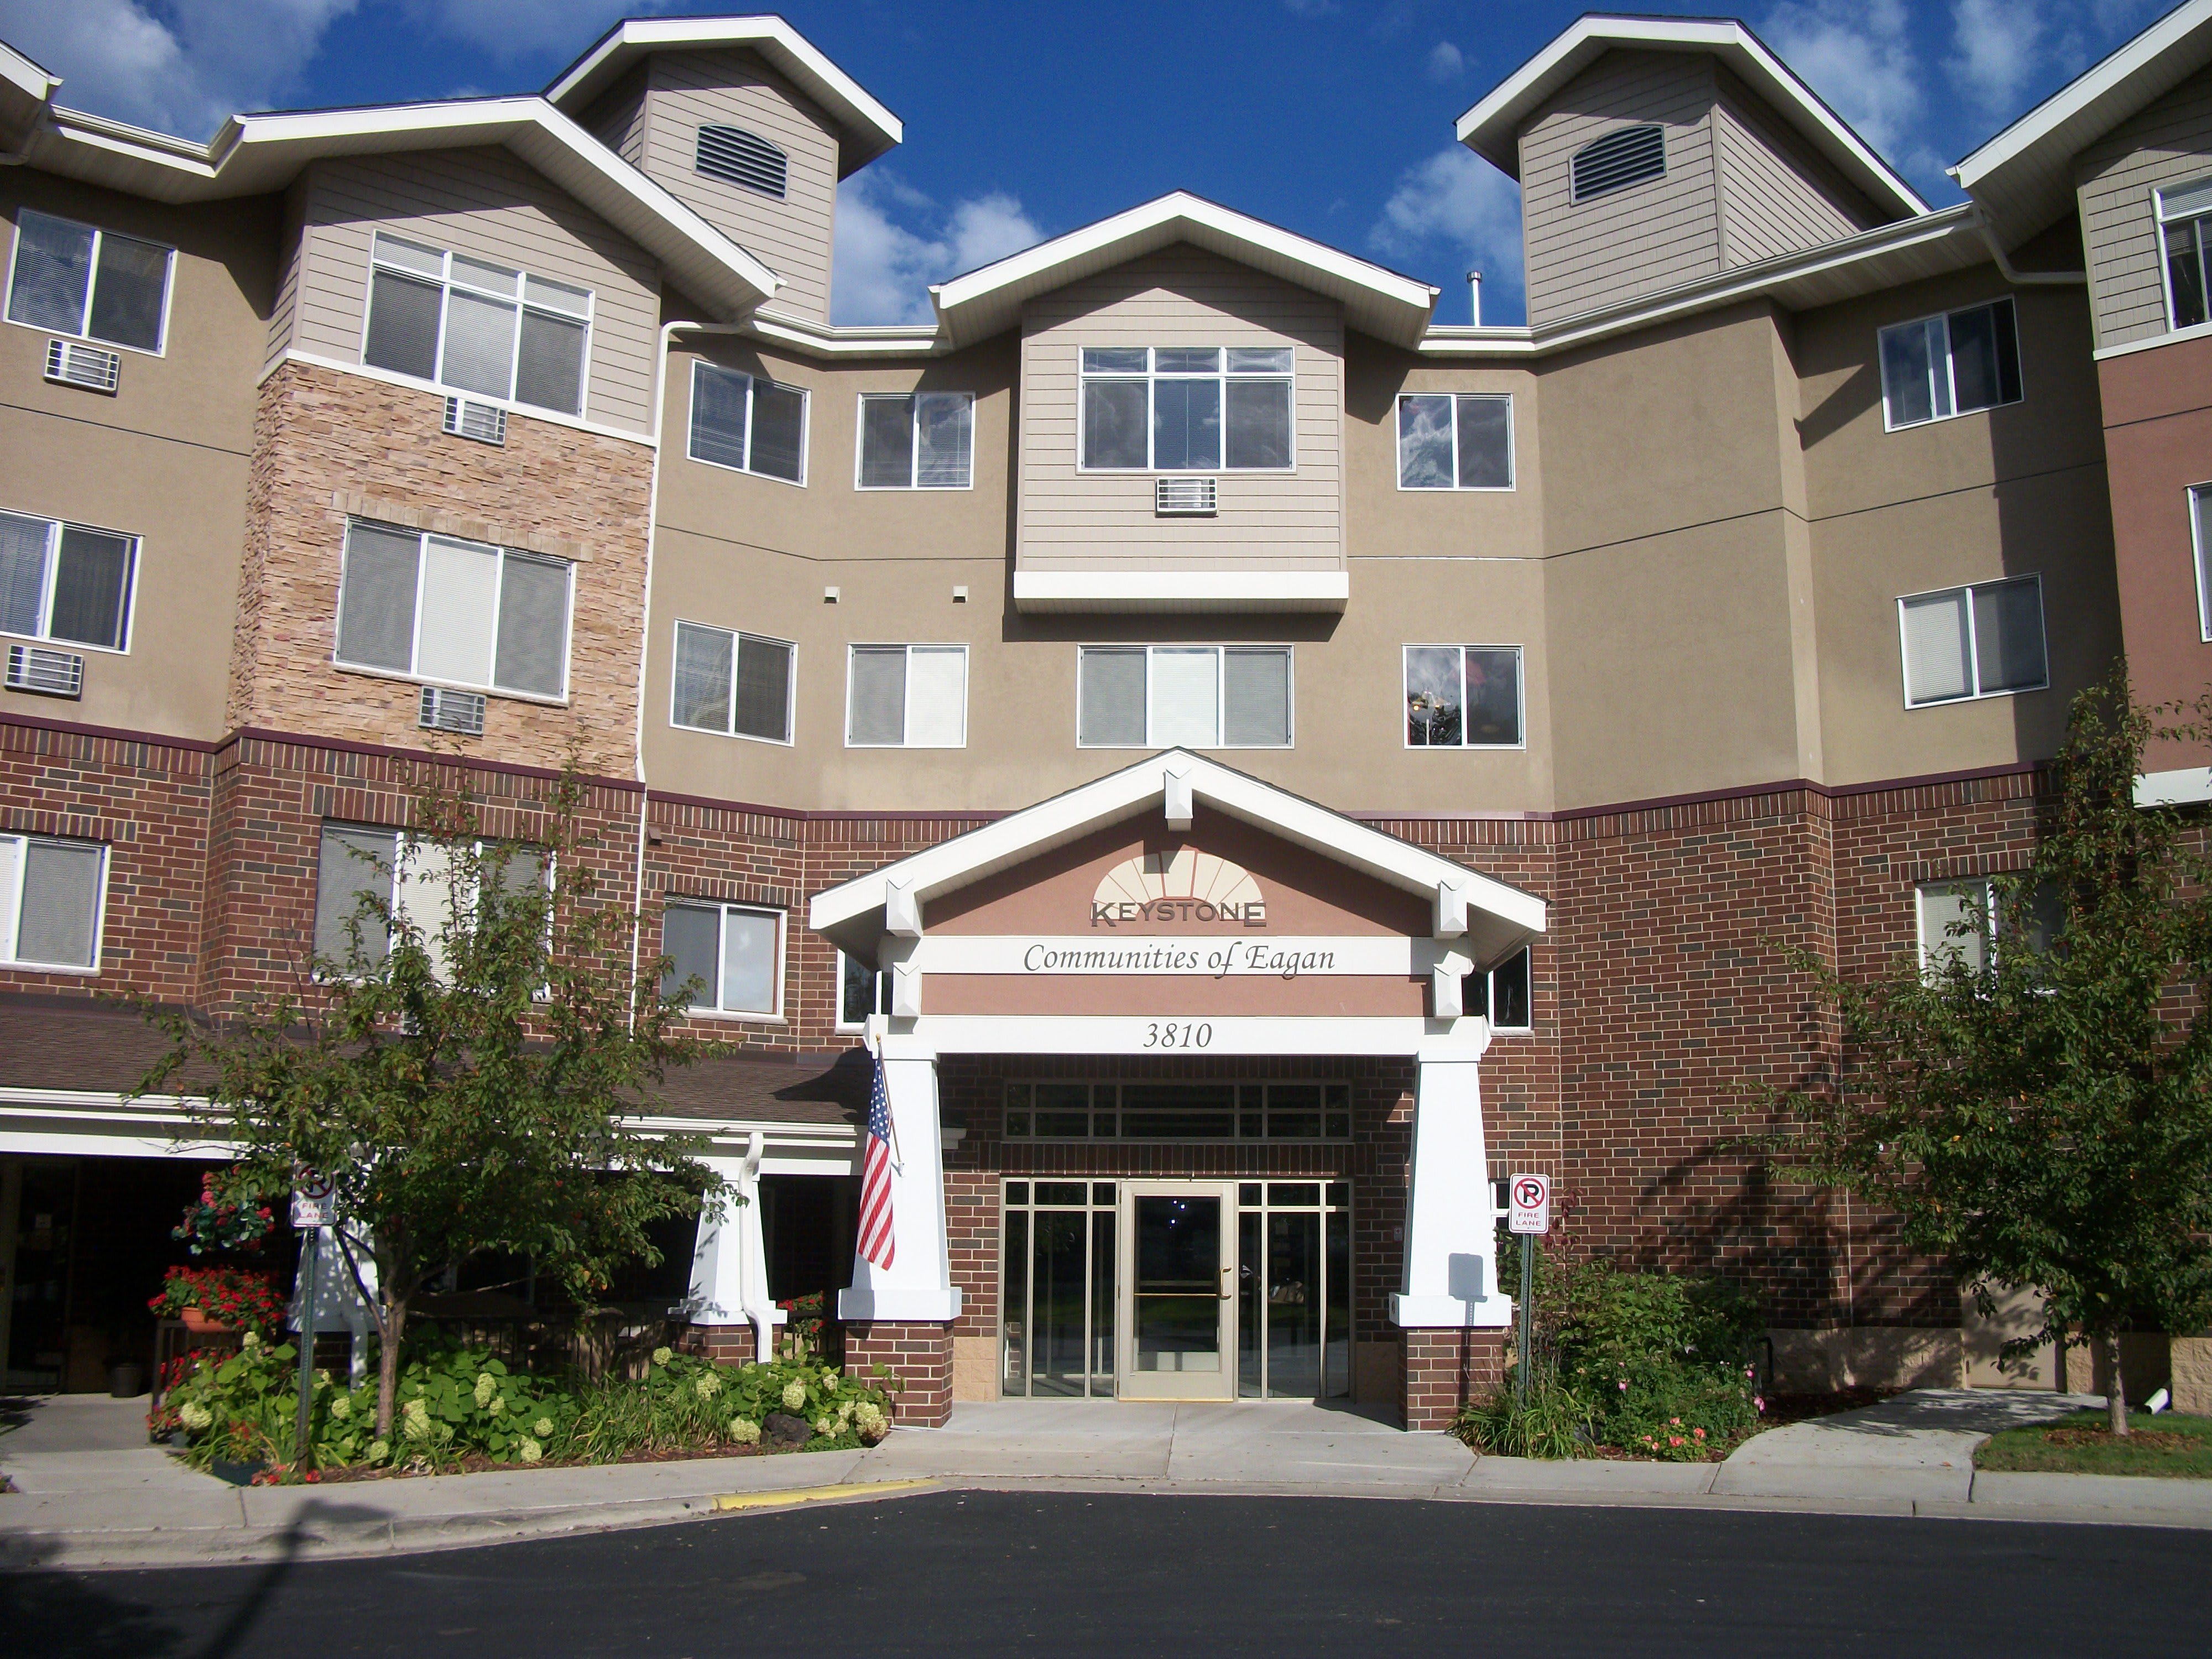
(1474, 294)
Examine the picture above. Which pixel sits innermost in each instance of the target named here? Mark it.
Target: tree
(2034, 1103)
(460, 1066)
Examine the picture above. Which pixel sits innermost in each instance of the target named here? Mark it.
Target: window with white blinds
(50, 901)
(364, 874)
(925, 440)
(458, 613)
(64, 582)
(1195, 696)
(68, 278)
(1985, 641)
(751, 425)
(734, 952)
(737, 684)
(906, 696)
(475, 326)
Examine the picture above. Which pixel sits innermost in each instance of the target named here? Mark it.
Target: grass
(2084, 1443)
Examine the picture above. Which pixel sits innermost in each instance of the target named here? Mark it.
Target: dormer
(744, 121)
(1655, 151)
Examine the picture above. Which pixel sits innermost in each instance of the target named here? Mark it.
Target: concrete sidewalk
(105, 1506)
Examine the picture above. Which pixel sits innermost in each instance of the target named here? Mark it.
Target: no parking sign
(1531, 1197)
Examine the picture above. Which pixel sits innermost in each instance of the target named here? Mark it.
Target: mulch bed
(2157, 1440)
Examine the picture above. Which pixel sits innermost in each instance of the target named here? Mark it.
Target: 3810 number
(1177, 1034)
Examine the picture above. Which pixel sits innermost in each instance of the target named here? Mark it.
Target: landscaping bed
(2084, 1443)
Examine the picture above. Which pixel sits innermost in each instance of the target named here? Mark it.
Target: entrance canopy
(1178, 905)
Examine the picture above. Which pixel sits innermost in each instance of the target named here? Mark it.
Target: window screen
(734, 952)
(1974, 642)
(1110, 695)
(1955, 919)
(447, 609)
(921, 441)
(753, 425)
(78, 279)
(738, 684)
(50, 898)
(1255, 698)
(2184, 212)
(475, 326)
(1204, 697)
(349, 864)
(88, 599)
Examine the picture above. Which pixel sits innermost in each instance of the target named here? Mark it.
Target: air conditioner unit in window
(75, 364)
(1183, 498)
(486, 422)
(452, 711)
(55, 673)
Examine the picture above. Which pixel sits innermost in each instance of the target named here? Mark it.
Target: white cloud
(180, 69)
(515, 28)
(1445, 62)
(881, 270)
(1999, 50)
(1858, 55)
(1455, 199)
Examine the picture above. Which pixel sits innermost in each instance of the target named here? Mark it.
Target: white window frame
(913, 433)
(1973, 643)
(852, 651)
(723, 909)
(423, 538)
(448, 283)
(882, 983)
(84, 315)
(1950, 373)
(54, 528)
(2201, 218)
(405, 843)
(1925, 947)
(738, 636)
(1512, 448)
(2196, 492)
(1520, 693)
(1221, 691)
(7, 946)
(1490, 995)
(1220, 377)
(699, 365)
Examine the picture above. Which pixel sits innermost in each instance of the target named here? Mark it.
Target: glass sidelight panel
(1294, 1292)
(1015, 1321)
(1056, 1319)
(1294, 1283)
(1060, 1280)
(1251, 1319)
(1176, 1295)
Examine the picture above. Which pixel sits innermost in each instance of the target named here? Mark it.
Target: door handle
(1228, 1285)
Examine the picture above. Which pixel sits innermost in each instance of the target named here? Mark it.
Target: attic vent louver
(1618, 161)
(742, 158)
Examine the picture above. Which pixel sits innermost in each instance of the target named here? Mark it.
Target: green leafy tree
(2035, 1104)
(460, 1076)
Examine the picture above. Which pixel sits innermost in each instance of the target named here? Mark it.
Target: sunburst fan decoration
(1184, 873)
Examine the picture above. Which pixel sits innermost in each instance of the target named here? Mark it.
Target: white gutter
(2005, 267)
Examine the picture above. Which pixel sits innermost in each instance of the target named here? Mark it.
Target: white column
(1451, 1242)
(917, 1287)
(729, 1265)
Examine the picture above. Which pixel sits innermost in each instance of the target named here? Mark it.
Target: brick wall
(1446, 1369)
(918, 1359)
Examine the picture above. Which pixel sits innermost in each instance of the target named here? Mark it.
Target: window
(733, 950)
(1178, 1111)
(1179, 409)
(738, 684)
(460, 613)
(362, 871)
(1501, 994)
(64, 582)
(1955, 919)
(750, 424)
(861, 991)
(1454, 441)
(1618, 161)
(69, 279)
(925, 441)
(2200, 530)
(1979, 641)
(475, 326)
(738, 157)
(50, 900)
(1199, 696)
(907, 697)
(2182, 212)
(1953, 364)
(1463, 696)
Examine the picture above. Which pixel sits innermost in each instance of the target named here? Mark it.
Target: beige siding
(284, 314)
(2168, 143)
(1180, 297)
(791, 237)
(1778, 195)
(617, 119)
(1631, 241)
(486, 204)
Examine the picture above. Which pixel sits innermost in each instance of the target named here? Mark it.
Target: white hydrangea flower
(498, 1404)
(415, 1419)
(708, 1385)
(825, 1423)
(379, 1450)
(342, 1408)
(795, 1396)
(662, 1356)
(250, 1341)
(532, 1451)
(543, 1428)
(194, 1416)
(869, 1418)
(485, 1386)
(744, 1433)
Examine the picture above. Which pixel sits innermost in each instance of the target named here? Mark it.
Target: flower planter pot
(126, 1379)
(197, 1320)
(239, 1474)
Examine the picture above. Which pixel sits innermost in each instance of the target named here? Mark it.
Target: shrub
(1555, 1422)
(228, 1296)
(684, 1402)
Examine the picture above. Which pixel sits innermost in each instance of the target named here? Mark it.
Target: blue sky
(1331, 117)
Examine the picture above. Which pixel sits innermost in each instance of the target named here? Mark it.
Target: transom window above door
(475, 326)
(1178, 1111)
(1186, 409)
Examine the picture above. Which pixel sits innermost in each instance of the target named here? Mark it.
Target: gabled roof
(1492, 128)
(256, 155)
(1376, 302)
(2024, 177)
(865, 128)
(25, 87)
(1496, 919)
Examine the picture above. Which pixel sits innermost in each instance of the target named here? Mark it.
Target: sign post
(1528, 1202)
(311, 1213)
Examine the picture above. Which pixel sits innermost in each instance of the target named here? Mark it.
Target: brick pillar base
(727, 1345)
(920, 1360)
(1446, 1369)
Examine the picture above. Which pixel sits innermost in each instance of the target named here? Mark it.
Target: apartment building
(1261, 764)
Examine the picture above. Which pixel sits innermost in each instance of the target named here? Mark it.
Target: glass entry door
(1178, 1291)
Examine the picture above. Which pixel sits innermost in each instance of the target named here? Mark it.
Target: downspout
(2022, 278)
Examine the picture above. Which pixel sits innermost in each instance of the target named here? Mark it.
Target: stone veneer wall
(329, 445)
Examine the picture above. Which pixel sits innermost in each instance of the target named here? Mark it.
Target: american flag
(877, 1242)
